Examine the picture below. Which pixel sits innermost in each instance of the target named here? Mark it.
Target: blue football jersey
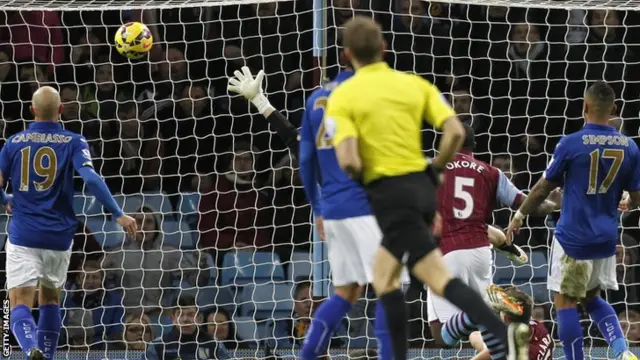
(594, 165)
(39, 164)
(341, 196)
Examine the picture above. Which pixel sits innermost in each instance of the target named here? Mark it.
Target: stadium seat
(249, 331)
(508, 273)
(129, 203)
(248, 267)
(300, 266)
(159, 202)
(188, 209)
(177, 234)
(107, 233)
(86, 205)
(267, 301)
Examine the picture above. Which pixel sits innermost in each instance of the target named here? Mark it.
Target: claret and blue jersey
(341, 197)
(594, 165)
(39, 164)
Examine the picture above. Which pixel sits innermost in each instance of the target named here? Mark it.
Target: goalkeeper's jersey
(341, 197)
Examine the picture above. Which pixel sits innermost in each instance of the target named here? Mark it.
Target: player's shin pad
(574, 277)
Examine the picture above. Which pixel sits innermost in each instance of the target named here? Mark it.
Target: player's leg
(347, 272)
(603, 314)
(23, 272)
(447, 323)
(431, 270)
(569, 279)
(56, 265)
(391, 301)
(476, 272)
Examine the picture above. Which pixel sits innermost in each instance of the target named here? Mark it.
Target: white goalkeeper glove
(251, 88)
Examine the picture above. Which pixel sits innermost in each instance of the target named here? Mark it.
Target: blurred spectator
(220, 326)
(293, 331)
(233, 213)
(137, 334)
(302, 309)
(149, 270)
(416, 43)
(168, 81)
(270, 42)
(86, 49)
(89, 306)
(99, 99)
(626, 258)
(132, 158)
(30, 77)
(292, 213)
(10, 107)
(630, 323)
(84, 248)
(186, 341)
(36, 36)
(189, 131)
(604, 56)
(70, 116)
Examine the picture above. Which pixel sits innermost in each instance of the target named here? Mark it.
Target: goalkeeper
(352, 233)
(374, 120)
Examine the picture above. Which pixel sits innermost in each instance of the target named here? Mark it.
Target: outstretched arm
(251, 88)
(96, 185)
(536, 197)
(509, 195)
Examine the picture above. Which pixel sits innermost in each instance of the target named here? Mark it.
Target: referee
(375, 119)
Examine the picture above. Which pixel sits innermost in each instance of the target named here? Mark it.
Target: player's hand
(320, 228)
(128, 224)
(436, 227)
(623, 205)
(245, 84)
(513, 229)
(435, 174)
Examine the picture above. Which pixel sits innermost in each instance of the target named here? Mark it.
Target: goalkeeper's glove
(251, 88)
(434, 173)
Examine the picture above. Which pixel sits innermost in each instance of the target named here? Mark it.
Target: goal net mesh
(225, 256)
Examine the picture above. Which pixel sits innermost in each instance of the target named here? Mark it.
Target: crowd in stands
(216, 262)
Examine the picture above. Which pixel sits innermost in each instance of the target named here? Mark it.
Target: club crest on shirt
(329, 128)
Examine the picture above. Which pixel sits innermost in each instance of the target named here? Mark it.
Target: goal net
(227, 261)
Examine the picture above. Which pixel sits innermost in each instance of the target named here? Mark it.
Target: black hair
(301, 284)
(601, 97)
(469, 137)
(185, 301)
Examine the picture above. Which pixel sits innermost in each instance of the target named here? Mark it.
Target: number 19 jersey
(39, 164)
(594, 165)
(469, 194)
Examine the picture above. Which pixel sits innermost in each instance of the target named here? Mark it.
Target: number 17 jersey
(39, 164)
(594, 165)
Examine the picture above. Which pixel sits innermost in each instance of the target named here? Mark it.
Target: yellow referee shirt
(384, 110)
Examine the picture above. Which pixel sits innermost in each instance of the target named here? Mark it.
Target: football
(134, 40)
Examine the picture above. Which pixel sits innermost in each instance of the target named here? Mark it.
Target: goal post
(225, 221)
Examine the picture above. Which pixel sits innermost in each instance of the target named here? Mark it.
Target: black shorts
(404, 207)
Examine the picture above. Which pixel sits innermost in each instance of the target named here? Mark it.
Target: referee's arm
(439, 113)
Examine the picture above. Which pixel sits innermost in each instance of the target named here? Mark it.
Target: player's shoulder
(413, 78)
(317, 99)
(538, 329)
